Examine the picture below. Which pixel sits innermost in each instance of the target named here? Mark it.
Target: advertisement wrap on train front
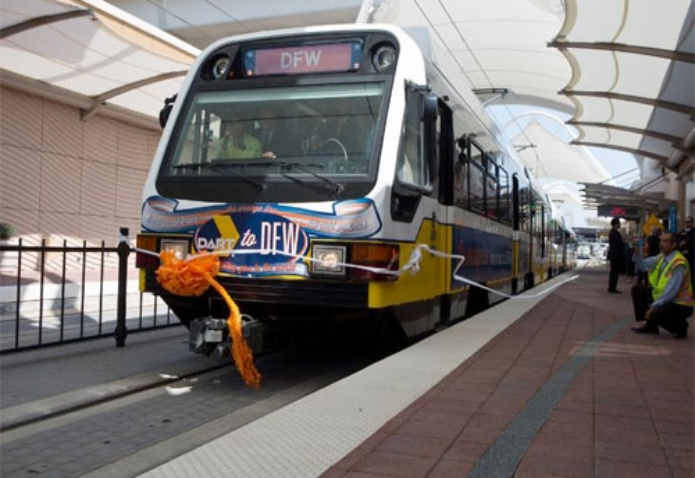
(263, 239)
(260, 244)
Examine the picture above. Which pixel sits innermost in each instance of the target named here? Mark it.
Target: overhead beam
(667, 105)
(638, 152)
(686, 167)
(43, 20)
(98, 101)
(628, 129)
(490, 91)
(681, 56)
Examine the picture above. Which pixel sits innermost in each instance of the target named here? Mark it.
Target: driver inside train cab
(235, 143)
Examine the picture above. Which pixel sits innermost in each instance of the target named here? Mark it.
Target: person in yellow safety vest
(667, 301)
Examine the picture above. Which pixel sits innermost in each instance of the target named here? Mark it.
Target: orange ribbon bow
(191, 278)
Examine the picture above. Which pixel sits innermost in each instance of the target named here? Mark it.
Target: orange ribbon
(191, 278)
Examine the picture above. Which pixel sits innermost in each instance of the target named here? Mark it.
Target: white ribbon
(417, 253)
(412, 266)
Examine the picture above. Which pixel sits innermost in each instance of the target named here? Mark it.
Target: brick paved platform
(566, 391)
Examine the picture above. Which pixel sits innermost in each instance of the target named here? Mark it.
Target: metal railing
(52, 295)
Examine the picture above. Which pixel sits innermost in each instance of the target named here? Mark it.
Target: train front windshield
(321, 134)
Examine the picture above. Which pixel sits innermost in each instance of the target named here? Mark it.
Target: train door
(445, 145)
(516, 236)
(545, 260)
(530, 209)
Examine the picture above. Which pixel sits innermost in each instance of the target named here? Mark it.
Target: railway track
(127, 426)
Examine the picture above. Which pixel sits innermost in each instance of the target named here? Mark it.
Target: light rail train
(327, 159)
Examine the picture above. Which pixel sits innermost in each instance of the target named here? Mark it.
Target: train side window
(414, 166)
(543, 226)
(516, 212)
(491, 189)
(417, 154)
(536, 214)
(524, 209)
(540, 211)
(461, 174)
(476, 182)
(505, 194)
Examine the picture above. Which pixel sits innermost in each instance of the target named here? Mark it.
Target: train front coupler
(210, 336)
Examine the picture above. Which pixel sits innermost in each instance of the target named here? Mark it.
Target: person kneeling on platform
(667, 301)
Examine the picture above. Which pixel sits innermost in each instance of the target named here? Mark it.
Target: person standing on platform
(616, 254)
(686, 244)
(668, 300)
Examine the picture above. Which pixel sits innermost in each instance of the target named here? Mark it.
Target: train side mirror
(166, 111)
(462, 143)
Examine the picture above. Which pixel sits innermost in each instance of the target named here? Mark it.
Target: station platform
(556, 385)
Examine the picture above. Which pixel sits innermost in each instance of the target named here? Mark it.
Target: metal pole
(121, 331)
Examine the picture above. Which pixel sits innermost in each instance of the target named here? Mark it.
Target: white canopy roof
(499, 45)
(90, 50)
(633, 80)
(628, 83)
(495, 43)
(550, 158)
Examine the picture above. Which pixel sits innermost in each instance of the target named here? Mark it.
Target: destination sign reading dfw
(303, 59)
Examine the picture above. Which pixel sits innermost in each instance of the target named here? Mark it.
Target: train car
(321, 163)
(564, 256)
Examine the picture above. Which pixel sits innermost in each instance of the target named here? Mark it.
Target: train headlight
(329, 260)
(178, 247)
(143, 259)
(384, 57)
(376, 256)
(220, 67)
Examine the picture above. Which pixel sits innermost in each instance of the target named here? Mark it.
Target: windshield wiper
(192, 165)
(335, 188)
(228, 167)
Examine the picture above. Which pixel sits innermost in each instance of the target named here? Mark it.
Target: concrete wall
(63, 178)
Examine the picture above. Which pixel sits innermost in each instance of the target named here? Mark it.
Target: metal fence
(52, 295)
